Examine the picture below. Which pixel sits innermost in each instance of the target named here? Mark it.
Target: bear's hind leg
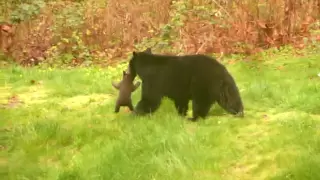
(130, 106)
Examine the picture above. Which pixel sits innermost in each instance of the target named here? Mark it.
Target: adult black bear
(199, 78)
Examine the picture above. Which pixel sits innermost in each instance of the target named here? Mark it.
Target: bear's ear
(148, 50)
(124, 73)
(134, 53)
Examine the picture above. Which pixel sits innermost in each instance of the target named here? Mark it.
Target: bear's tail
(230, 98)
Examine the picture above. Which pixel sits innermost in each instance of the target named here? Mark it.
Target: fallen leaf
(32, 81)
(13, 101)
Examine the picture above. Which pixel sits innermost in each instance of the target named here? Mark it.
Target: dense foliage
(89, 31)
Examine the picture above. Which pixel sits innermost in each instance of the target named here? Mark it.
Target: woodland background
(84, 32)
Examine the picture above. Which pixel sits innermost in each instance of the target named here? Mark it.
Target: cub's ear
(134, 53)
(128, 70)
(124, 73)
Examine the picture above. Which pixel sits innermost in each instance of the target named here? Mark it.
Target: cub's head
(126, 76)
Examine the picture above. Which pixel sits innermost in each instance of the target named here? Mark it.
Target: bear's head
(135, 55)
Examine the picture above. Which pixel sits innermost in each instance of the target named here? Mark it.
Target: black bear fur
(199, 78)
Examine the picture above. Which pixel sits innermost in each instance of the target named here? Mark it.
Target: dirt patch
(34, 94)
(37, 94)
(86, 100)
(4, 94)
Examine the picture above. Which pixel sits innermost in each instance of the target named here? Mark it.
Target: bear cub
(125, 87)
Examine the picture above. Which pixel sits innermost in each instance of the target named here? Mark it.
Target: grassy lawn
(59, 124)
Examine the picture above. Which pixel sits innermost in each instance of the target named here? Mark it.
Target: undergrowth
(103, 32)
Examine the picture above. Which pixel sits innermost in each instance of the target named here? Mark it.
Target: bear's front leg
(181, 106)
(200, 109)
(146, 106)
(150, 98)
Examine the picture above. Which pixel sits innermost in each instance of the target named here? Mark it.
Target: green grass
(65, 127)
